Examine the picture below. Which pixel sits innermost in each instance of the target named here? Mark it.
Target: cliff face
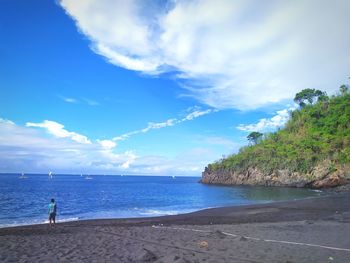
(320, 177)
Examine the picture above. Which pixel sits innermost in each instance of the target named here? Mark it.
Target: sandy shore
(310, 230)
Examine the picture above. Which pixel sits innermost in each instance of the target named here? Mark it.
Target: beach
(309, 230)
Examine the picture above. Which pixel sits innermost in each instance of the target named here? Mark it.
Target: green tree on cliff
(254, 137)
(308, 95)
(344, 89)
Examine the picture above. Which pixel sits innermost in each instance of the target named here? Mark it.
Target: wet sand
(310, 230)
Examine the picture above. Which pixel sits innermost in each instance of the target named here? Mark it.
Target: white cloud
(58, 130)
(130, 159)
(196, 114)
(23, 148)
(6, 121)
(69, 100)
(159, 125)
(107, 144)
(90, 102)
(229, 54)
(28, 149)
(277, 121)
(168, 123)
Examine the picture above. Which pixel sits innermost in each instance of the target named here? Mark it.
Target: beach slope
(310, 230)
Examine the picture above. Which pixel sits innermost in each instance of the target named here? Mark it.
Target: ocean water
(25, 201)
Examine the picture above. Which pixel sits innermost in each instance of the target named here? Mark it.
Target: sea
(24, 199)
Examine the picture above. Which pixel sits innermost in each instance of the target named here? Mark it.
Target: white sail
(88, 177)
(23, 176)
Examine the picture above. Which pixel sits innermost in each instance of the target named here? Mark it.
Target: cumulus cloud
(23, 148)
(277, 121)
(58, 130)
(227, 54)
(168, 123)
(107, 144)
(130, 159)
(28, 149)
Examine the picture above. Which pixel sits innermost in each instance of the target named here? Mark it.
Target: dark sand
(311, 230)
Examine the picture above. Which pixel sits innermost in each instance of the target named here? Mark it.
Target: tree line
(319, 129)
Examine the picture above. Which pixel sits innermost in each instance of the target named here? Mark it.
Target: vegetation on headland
(319, 130)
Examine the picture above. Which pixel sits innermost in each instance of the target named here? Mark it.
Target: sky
(157, 87)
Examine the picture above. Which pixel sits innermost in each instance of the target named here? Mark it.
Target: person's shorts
(52, 216)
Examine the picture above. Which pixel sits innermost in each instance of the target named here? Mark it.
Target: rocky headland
(312, 150)
(319, 177)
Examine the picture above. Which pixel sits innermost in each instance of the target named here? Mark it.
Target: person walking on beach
(52, 212)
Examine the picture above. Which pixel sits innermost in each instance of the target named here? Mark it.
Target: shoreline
(178, 218)
(314, 229)
(333, 202)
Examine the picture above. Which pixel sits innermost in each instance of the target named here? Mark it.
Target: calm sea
(25, 200)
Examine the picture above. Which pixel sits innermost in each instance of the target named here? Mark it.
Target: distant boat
(23, 176)
(173, 176)
(81, 174)
(88, 177)
(50, 175)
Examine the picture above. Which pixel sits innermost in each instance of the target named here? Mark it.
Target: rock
(203, 244)
(322, 176)
(331, 181)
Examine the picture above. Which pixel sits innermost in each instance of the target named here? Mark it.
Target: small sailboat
(81, 175)
(23, 176)
(173, 176)
(50, 175)
(88, 177)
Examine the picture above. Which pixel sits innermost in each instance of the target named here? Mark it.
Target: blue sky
(164, 88)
